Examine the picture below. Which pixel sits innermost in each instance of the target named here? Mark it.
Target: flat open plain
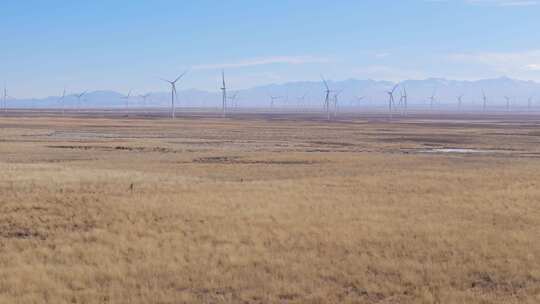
(260, 208)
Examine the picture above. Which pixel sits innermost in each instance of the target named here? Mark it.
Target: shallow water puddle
(458, 150)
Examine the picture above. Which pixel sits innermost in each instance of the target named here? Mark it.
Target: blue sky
(122, 45)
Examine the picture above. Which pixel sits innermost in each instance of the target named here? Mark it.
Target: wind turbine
(144, 98)
(327, 98)
(224, 93)
(79, 96)
(4, 98)
(432, 99)
(460, 101)
(286, 100)
(400, 101)
(507, 103)
(357, 102)
(404, 100)
(273, 100)
(302, 100)
(232, 98)
(62, 101)
(173, 92)
(391, 99)
(336, 105)
(484, 99)
(127, 97)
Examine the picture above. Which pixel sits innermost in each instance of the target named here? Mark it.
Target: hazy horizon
(373, 93)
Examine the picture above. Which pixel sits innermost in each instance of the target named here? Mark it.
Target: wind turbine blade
(180, 77)
(325, 83)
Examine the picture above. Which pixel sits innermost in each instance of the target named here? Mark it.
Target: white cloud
(502, 62)
(264, 61)
(533, 67)
(521, 65)
(382, 55)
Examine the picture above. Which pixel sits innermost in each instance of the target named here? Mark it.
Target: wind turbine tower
(127, 97)
(460, 101)
(404, 100)
(484, 99)
(432, 99)
(336, 102)
(327, 98)
(359, 100)
(79, 96)
(233, 99)
(144, 98)
(302, 101)
(507, 103)
(174, 93)
(273, 100)
(4, 99)
(357, 103)
(391, 100)
(224, 95)
(61, 100)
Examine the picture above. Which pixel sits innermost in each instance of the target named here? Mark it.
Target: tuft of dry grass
(264, 211)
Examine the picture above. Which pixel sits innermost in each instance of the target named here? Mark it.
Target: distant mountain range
(311, 94)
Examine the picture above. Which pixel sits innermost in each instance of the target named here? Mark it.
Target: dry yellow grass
(263, 211)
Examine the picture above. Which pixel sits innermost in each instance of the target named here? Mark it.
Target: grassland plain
(269, 210)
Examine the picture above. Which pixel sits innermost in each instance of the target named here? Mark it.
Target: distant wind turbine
(4, 98)
(79, 96)
(485, 100)
(144, 98)
(61, 100)
(356, 101)
(336, 102)
(224, 94)
(233, 99)
(432, 99)
(173, 92)
(404, 100)
(327, 97)
(302, 100)
(127, 97)
(273, 100)
(460, 101)
(391, 100)
(507, 103)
